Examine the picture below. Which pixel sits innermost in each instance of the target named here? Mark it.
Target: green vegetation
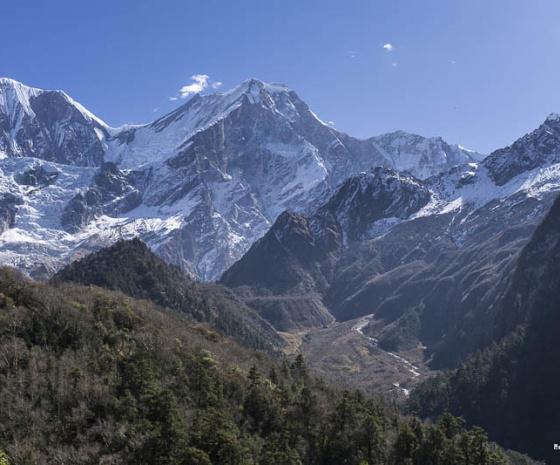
(130, 267)
(93, 376)
(507, 388)
(403, 333)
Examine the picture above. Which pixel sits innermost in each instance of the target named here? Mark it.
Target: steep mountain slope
(297, 258)
(199, 185)
(444, 248)
(421, 156)
(509, 388)
(130, 267)
(284, 273)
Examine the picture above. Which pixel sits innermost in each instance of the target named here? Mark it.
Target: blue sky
(479, 73)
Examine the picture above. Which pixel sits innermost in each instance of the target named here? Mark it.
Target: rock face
(539, 148)
(298, 254)
(36, 176)
(8, 210)
(285, 273)
(375, 195)
(112, 193)
(199, 185)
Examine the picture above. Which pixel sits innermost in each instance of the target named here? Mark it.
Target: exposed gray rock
(37, 175)
(112, 194)
(539, 148)
(8, 210)
(81, 210)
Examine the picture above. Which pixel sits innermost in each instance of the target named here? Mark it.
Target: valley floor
(343, 354)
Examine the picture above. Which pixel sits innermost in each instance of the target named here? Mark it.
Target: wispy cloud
(352, 54)
(331, 123)
(388, 47)
(199, 82)
(394, 65)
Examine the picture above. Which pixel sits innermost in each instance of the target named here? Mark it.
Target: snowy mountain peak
(48, 125)
(15, 97)
(200, 184)
(12, 83)
(273, 96)
(422, 156)
(253, 85)
(539, 148)
(14, 93)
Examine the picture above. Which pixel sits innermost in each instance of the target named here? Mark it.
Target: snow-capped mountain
(199, 185)
(421, 156)
(541, 147)
(386, 242)
(379, 194)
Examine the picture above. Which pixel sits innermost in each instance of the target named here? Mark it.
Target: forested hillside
(130, 267)
(93, 376)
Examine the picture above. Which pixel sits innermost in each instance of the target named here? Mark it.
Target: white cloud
(200, 82)
(394, 65)
(331, 123)
(388, 47)
(352, 54)
(156, 109)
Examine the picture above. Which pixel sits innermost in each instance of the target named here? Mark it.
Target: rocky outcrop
(8, 210)
(113, 193)
(36, 176)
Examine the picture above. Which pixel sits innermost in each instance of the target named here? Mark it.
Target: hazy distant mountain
(199, 185)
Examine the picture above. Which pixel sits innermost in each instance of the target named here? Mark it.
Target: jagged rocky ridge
(199, 185)
(444, 247)
(286, 274)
